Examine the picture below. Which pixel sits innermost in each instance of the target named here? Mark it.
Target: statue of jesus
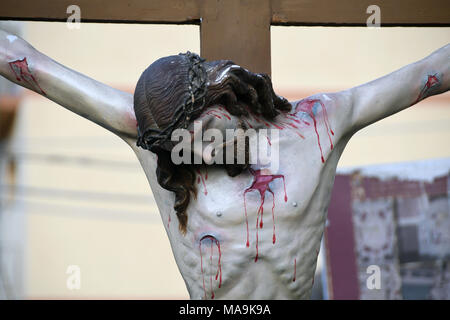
(252, 229)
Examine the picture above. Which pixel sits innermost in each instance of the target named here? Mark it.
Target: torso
(231, 250)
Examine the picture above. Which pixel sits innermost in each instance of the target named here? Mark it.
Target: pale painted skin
(299, 222)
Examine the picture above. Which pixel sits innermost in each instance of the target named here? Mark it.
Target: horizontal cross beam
(353, 12)
(283, 12)
(238, 30)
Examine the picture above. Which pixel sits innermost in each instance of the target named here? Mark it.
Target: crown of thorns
(192, 106)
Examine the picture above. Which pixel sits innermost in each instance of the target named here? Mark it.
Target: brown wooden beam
(124, 11)
(353, 12)
(284, 12)
(237, 30)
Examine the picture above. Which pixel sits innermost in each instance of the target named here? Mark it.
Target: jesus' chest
(251, 205)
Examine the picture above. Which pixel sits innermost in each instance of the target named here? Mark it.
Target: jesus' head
(175, 91)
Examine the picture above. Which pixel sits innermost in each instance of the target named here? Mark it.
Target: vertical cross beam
(237, 30)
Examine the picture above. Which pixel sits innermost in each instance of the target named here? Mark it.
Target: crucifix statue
(224, 244)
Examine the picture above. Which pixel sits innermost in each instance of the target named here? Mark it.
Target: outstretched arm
(106, 106)
(399, 90)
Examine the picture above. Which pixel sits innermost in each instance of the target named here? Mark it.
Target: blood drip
(431, 81)
(300, 135)
(22, 72)
(261, 184)
(218, 114)
(200, 178)
(307, 106)
(290, 117)
(280, 124)
(212, 113)
(295, 270)
(224, 113)
(213, 240)
(248, 124)
(276, 126)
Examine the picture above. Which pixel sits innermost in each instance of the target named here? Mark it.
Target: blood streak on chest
(202, 179)
(212, 240)
(22, 72)
(307, 106)
(261, 184)
(284, 121)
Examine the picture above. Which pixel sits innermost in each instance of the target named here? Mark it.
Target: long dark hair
(173, 91)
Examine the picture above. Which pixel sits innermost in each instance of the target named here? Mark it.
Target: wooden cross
(238, 30)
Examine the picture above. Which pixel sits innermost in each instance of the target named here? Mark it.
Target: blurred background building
(392, 219)
(74, 194)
